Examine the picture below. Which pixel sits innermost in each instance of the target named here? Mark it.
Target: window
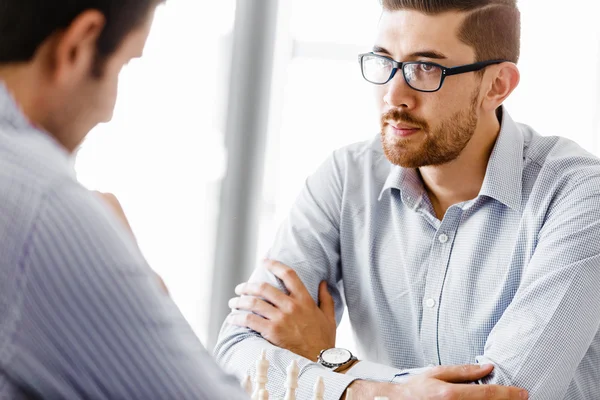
(162, 154)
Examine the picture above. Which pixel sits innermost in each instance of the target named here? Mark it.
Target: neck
(36, 104)
(21, 84)
(461, 179)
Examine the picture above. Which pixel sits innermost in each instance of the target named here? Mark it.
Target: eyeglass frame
(446, 71)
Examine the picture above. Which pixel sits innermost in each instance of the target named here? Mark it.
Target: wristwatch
(335, 357)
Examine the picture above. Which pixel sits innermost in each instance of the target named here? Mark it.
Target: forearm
(238, 349)
(362, 389)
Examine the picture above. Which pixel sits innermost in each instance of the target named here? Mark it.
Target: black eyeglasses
(419, 75)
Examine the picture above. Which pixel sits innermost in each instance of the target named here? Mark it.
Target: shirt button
(430, 303)
(443, 238)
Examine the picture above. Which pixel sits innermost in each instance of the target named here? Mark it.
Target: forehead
(405, 32)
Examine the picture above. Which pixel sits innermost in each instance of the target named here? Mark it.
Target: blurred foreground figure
(82, 316)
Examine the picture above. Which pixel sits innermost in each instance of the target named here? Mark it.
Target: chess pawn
(291, 383)
(262, 369)
(247, 385)
(263, 395)
(319, 389)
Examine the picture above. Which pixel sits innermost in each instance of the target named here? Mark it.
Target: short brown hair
(491, 27)
(26, 24)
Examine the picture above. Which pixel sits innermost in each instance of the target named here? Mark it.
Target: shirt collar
(12, 117)
(408, 182)
(503, 177)
(10, 113)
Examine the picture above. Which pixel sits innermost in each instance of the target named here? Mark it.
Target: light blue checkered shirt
(81, 313)
(511, 277)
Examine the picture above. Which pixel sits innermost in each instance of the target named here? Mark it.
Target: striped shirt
(511, 277)
(81, 313)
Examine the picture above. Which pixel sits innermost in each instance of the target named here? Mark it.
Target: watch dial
(336, 356)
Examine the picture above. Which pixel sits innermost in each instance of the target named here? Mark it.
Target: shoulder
(360, 161)
(561, 164)
(31, 165)
(562, 182)
(361, 152)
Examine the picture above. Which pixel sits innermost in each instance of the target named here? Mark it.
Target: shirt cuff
(371, 371)
(335, 384)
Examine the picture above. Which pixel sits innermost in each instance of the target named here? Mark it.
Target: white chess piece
(319, 389)
(247, 385)
(262, 368)
(263, 395)
(291, 383)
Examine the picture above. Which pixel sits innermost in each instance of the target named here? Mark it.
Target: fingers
(251, 321)
(289, 277)
(255, 305)
(162, 284)
(108, 197)
(326, 303)
(460, 373)
(488, 392)
(265, 291)
(299, 295)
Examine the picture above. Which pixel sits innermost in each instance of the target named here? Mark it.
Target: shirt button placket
(438, 263)
(430, 303)
(443, 238)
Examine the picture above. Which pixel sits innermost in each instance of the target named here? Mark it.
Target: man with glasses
(455, 237)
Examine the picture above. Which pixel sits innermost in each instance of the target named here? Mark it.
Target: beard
(429, 146)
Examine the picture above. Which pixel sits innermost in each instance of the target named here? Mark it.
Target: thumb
(326, 303)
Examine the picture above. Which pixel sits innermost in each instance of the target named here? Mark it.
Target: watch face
(336, 356)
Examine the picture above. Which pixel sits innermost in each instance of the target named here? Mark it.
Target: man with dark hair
(456, 236)
(82, 316)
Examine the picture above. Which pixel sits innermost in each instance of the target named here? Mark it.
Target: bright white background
(163, 153)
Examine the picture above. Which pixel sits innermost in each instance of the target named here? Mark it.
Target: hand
(112, 201)
(293, 322)
(440, 383)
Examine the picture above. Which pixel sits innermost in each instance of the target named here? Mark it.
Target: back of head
(491, 27)
(61, 59)
(26, 24)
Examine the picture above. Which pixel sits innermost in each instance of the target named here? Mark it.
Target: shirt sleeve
(308, 241)
(371, 371)
(92, 322)
(542, 337)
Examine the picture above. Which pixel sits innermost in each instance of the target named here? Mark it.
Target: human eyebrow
(428, 54)
(379, 49)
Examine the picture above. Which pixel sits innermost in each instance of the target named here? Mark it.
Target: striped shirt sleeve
(93, 322)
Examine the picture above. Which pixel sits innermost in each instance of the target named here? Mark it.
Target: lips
(402, 130)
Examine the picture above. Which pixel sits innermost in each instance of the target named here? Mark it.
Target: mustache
(399, 116)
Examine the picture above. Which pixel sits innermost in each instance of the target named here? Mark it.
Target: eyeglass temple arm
(471, 67)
